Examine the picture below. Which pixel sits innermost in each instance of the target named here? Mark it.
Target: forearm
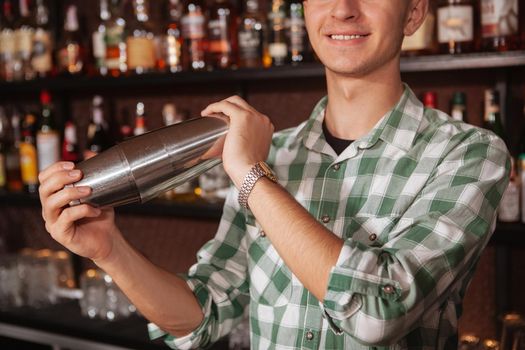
(307, 248)
(163, 298)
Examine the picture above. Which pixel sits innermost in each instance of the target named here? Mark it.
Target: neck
(357, 103)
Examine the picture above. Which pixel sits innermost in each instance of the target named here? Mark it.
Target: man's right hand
(83, 229)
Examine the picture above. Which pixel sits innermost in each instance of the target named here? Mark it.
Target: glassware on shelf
(40, 279)
(214, 184)
(93, 288)
(10, 285)
(512, 327)
(102, 298)
(468, 342)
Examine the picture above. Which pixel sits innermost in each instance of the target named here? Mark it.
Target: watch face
(268, 171)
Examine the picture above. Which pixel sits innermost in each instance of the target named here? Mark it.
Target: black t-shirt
(338, 145)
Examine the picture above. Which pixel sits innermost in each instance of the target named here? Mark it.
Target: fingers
(55, 181)
(61, 229)
(50, 170)
(225, 107)
(53, 206)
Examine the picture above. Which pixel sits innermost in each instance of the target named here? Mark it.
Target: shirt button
(337, 166)
(325, 218)
(372, 237)
(263, 234)
(388, 289)
(309, 335)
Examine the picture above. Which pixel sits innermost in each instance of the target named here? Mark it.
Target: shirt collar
(397, 127)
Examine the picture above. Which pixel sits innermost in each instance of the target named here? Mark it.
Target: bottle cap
(459, 98)
(45, 97)
(430, 99)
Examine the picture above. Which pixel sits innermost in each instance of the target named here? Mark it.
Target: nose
(345, 9)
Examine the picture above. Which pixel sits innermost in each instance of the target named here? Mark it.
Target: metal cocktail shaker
(147, 165)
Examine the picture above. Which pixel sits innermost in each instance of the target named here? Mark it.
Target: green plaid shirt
(415, 203)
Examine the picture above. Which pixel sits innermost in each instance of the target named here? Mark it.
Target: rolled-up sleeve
(218, 280)
(377, 294)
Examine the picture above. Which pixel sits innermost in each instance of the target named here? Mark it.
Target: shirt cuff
(194, 339)
(348, 286)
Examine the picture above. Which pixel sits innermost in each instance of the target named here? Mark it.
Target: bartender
(360, 228)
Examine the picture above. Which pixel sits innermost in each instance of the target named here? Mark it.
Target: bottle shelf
(505, 234)
(306, 70)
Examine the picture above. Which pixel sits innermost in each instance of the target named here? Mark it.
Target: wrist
(256, 172)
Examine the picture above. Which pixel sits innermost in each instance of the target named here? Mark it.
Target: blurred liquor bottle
(277, 43)
(430, 99)
(171, 41)
(43, 44)
(98, 138)
(28, 154)
(458, 106)
(194, 33)
(298, 48)
(98, 37)
(115, 41)
(499, 25)
(140, 40)
(456, 26)
(24, 33)
(69, 145)
(47, 136)
(71, 52)
(7, 42)
(140, 120)
(251, 35)
(14, 174)
(222, 34)
(492, 115)
(4, 129)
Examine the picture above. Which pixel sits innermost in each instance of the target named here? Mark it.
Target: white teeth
(345, 37)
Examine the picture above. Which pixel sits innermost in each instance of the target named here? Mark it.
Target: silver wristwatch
(259, 170)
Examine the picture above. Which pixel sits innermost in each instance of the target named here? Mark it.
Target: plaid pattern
(415, 202)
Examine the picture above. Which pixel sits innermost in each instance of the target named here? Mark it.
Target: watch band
(259, 170)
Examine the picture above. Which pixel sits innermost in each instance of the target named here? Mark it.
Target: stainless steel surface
(147, 165)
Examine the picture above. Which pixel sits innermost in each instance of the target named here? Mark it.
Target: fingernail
(68, 166)
(74, 173)
(83, 189)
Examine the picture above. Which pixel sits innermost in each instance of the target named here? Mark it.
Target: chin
(348, 67)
